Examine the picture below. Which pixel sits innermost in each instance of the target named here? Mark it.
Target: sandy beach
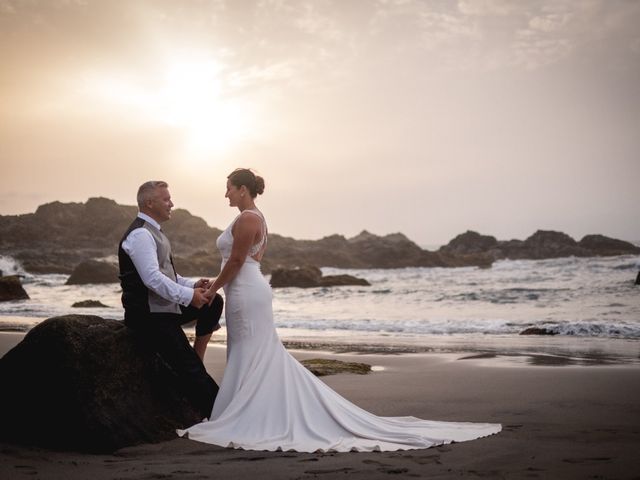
(565, 422)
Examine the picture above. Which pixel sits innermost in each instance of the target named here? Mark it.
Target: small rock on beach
(321, 366)
(89, 304)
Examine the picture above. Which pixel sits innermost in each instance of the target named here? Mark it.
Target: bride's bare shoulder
(248, 219)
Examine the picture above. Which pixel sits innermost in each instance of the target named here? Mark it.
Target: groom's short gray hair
(147, 189)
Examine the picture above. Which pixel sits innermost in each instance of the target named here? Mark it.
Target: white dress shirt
(142, 249)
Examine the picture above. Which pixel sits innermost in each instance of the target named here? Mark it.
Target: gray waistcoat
(156, 302)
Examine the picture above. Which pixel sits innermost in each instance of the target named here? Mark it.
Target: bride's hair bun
(259, 185)
(244, 176)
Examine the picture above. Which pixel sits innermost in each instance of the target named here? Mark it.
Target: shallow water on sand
(583, 298)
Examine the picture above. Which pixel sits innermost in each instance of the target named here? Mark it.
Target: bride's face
(233, 194)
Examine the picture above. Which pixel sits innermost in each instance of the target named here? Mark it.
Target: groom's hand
(199, 298)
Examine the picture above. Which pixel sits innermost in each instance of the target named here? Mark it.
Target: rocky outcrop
(470, 243)
(89, 304)
(550, 244)
(362, 251)
(542, 244)
(607, 246)
(85, 383)
(200, 263)
(309, 276)
(93, 271)
(11, 289)
(77, 231)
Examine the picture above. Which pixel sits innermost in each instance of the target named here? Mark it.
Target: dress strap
(255, 248)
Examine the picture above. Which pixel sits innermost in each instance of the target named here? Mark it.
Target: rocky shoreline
(76, 232)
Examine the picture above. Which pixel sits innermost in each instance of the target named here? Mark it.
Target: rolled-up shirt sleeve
(141, 247)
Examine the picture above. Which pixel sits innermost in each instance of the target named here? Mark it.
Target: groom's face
(160, 205)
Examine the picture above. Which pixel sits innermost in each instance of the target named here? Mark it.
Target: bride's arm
(245, 230)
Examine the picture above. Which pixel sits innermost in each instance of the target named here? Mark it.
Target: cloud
(6, 7)
(549, 23)
(491, 7)
(259, 75)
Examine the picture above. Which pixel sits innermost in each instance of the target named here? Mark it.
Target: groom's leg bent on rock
(165, 332)
(207, 321)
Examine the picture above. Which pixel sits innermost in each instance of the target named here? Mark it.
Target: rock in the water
(304, 277)
(93, 271)
(309, 276)
(322, 366)
(89, 304)
(638, 279)
(84, 383)
(537, 331)
(342, 280)
(11, 289)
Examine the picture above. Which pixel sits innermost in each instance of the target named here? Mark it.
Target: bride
(269, 401)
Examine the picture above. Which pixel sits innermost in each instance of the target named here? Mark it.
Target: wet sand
(561, 420)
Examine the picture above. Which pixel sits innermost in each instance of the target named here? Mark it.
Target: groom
(157, 301)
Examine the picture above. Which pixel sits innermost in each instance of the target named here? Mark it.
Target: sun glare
(190, 97)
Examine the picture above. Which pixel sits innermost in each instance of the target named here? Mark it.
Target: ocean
(582, 299)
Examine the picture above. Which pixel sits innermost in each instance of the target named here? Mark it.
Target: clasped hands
(203, 293)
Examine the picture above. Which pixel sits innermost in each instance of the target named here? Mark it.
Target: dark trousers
(163, 332)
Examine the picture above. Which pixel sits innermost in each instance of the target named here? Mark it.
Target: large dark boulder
(84, 383)
(11, 289)
(309, 276)
(93, 271)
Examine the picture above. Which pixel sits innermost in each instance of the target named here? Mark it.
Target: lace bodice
(225, 240)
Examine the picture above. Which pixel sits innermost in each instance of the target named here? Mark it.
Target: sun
(192, 99)
(187, 94)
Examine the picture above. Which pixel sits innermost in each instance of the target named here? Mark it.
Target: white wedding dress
(269, 401)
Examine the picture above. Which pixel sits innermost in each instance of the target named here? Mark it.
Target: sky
(428, 118)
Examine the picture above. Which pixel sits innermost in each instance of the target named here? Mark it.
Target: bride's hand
(202, 283)
(210, 293)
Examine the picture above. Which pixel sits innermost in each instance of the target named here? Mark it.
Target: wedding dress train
(269, 401)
